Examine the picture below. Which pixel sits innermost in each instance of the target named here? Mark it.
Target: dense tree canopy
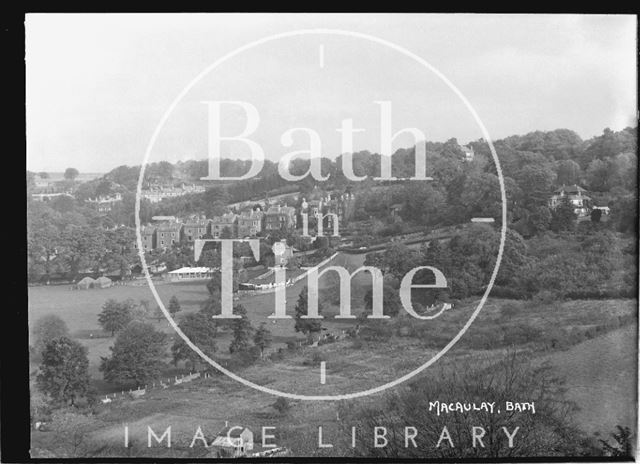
(64, 371)
(137, 355)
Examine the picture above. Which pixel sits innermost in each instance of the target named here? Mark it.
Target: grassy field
(501, 324)
(603, 394)
(590, 343)
(80, 309)
(601, 379)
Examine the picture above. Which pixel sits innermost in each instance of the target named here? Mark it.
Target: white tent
(85, 283)
(190, 273)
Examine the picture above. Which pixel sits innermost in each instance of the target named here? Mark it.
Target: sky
(98, 85)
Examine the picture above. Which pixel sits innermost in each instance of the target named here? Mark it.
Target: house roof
(188, 270)
(571, 189)
(199, 223)
(280, 210)
(170, 227)
(235, 433)
(251, 215)
(225, 218)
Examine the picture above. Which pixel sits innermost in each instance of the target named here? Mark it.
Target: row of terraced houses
(229, 225)
(243, 225)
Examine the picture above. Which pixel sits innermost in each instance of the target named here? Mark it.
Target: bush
(545, 297)
(281, 405)
(314, 360)
(277, 355)
(379, 331)
(292, 346)
(521, 334)
(512, 293)
(509, 310)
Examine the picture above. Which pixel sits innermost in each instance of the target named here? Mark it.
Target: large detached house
(577, 197)
(148, 235)
(194, 229)
(168, 234)
(280, 217)
(219, 223)
(250, 223)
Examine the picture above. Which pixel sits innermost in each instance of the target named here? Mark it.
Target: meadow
(591, 343)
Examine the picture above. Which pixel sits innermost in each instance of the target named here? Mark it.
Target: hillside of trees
(66, 235)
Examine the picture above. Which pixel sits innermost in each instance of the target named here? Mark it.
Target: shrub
(314, 360)
(509, 310)
(281, 405)
(376, 331)
(513, 293)
(545, 297)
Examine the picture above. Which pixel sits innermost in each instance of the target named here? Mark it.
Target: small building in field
(233, 441)
(190, 273)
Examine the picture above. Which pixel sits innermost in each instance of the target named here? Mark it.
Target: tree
(241, 331)
(63, 203)
(120, 252)
(281, 405)
(71, 173)
(174, 305)
(568, 172)
(71, 432)
(213, 306)
(226, 233)
(82, 246)
(390, 300)
(551, 431)
(202, 331)
(599, 175)
(141, 311)
(563, 217)
(116, 315)
(262, 338)
(596, 215)
(47, 328)
(306, 326)
(64, 372)
(137, 355)
(43, 237)
(43, 175)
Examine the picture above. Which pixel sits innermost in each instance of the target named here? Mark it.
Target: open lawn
(501, 324)
(601, 379)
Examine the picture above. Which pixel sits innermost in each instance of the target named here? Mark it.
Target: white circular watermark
(402, 51)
